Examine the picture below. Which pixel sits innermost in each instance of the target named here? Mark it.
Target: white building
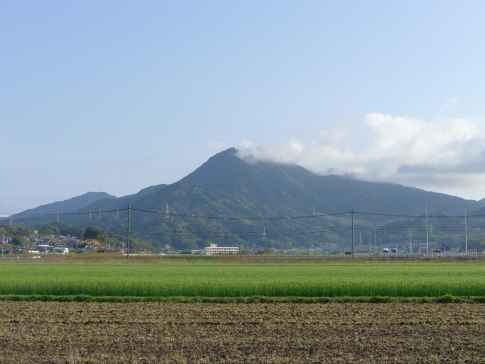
(60, 250)
(214, 249)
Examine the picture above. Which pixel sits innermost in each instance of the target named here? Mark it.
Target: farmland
(396, 279)
(331, 327)
(60, 332)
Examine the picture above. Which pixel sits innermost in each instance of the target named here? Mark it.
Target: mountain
(294, 186)
(68, 205)
(230, 201)
(122, 202)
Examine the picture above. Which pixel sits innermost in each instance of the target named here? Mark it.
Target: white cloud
(442, 154)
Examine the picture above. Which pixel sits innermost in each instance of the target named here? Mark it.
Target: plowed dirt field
(53, 332)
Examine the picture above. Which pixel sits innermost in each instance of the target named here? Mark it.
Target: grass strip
(248, 300)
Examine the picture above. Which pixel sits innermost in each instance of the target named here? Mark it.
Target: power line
(223, 217)
(60, 213)
(270, 233)
(240, 217)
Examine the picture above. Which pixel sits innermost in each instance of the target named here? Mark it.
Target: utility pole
(128, 236)
(466, 235)
(370, 244)
(375, 242)
(410, 245)
(123, 232)
(353, 242)
(3, 244)
(427, 233)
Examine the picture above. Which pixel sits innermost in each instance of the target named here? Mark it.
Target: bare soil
(55, 332)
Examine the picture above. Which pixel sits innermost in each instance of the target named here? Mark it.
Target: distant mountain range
(69, 205)
(230, 201)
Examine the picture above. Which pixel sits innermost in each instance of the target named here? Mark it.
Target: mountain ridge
(68, 205)
(229, 201)
(325, 193)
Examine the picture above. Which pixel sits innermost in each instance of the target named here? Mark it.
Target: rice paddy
(396, 279)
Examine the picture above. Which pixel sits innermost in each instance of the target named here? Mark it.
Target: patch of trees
(97, 233)
(20, 241)
(26, 231)
(73, 231)
(10, 230)
(54, 230)
(107, 238)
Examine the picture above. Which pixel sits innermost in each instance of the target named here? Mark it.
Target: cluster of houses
(43, 244)
(59, 244)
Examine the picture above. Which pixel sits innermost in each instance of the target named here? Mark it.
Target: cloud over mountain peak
(444, 154)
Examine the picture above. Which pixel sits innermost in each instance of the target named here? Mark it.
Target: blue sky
(116, 96)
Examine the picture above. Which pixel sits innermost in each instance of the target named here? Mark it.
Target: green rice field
(406, 279)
